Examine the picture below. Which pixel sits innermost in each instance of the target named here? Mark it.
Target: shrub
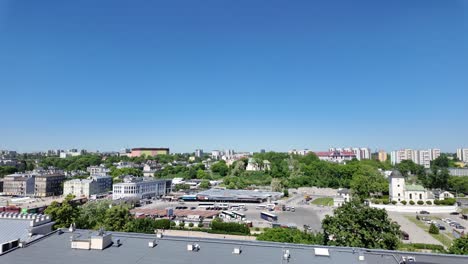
(403, 202)
(437, 202)
(200, 225)
(394, 202)
(420, 202)
(411, 202)
(173, 224)
(428, 202)
(386, 202)
(217, 225)
(257, 229)
(181, 224)
(449, 201)
(433, 229)
(376, 201)
(190, 224)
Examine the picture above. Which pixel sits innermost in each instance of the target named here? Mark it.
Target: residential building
(1, 185)
(421, 157)
(360, 153)
(382, 156)
(337, 156)
(150, 168)
(216, 154)
(344, 196)
(87, 187)
(18, 184)
(140, 187)
(101, 170)
(48, 184)
(199, 153)
(151, 152)
(462, 154)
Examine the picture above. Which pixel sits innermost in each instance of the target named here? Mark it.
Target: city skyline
(243, 75)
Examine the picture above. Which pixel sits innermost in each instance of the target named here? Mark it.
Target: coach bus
(239, 216)
(228, 215)
(268, 216)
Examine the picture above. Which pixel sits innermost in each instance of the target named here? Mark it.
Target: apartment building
(48, 184)
(421, 157)
(462, 154)
(87, 187)
(382, 156)
(98, 170)
(18, 184)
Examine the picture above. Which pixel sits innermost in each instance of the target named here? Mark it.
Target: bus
(206, 205)
(239, 216)
(268, 216)
(227, 214)
(223, 206)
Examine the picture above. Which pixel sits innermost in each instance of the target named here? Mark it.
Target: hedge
(403, 202)
(428, 202)
(394, 202)
(411, 202)
(420, 202)
(217, 225)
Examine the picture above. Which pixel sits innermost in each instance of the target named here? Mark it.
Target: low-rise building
(140, 187)
(461, 172)
(150, 168)
(344, 196)
(254, 165)
(86, 187)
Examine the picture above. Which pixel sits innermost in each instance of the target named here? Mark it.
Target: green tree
(286, 235)
(63, 214)
(116, 218)
(205, 184)
(438, 178)
(441, 162)
(357, 225)
(460, 246)
(125, 171)
(92, 214)
(368, 180)
(433, 229)
(276, 185)
(220, 167)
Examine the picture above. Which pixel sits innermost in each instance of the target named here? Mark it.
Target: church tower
(397, 186)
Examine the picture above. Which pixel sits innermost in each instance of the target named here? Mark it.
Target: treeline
(71, 163)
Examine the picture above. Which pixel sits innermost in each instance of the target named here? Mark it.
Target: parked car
(404, 235)
(441, 227)
(454, 213)
(459, 227)
(424, 212)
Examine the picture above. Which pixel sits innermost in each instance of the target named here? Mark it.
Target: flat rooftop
(56, 249)
(237, 194)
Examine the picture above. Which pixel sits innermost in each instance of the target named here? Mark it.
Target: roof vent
(286, 254)
(159, 235)
(193, 247)
(361, 258)
(237, 251)
(116, 242)
(322, 252)
(152, 244)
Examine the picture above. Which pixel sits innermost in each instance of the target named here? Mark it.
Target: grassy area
(464, 211)
(441, 237)
(325, 201)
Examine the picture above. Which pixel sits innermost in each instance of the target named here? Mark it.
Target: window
(420, 196)
(398, 185)
(411, 196)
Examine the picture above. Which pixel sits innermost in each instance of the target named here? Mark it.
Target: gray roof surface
(396, 174)
(12, 229)
(237, 193)
(56, 249)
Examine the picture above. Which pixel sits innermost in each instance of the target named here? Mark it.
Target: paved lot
(416, 234)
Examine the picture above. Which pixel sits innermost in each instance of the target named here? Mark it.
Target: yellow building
(382, 156)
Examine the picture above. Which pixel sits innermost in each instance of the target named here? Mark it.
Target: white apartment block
(361, 153)
(88, 187)
(462, 154)
(421, 157)
(139, 188)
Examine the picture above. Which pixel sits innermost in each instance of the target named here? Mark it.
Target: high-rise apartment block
(421, 157)
(462, 154)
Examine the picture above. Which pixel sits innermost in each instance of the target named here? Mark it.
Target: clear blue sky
(239, 74)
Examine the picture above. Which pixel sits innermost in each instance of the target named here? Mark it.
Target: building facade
(18, 184)
(199, 153)
(137, 152)
(421, 157)
(140, 188)
(87, 187)
(48, 184)
(336, 156)
(98, 170)
(462, 154)
(382, 156)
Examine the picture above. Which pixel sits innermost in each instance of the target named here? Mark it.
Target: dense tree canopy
(357, 225)
(220, 167)
(6, 170)
(71, 163)
(63, 214)
(460, 246)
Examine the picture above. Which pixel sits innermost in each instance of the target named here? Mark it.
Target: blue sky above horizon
(243, 74)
